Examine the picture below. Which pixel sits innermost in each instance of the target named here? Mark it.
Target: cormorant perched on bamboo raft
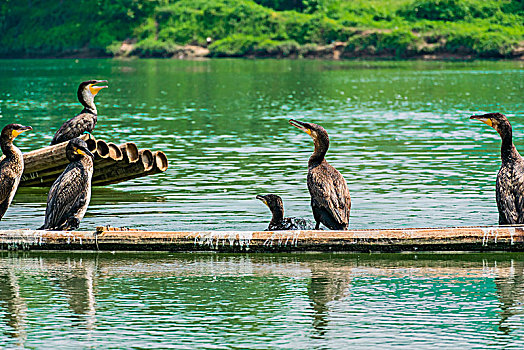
(330, 199)
(12, 166)
(278, 221)
(86, 120)
(510, 179)
(69, 195)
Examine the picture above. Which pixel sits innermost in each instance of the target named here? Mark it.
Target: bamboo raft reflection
(113, 163)
(486, 238)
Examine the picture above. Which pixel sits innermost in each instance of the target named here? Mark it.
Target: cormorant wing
(6, 186)
(519, 195)
(74, 127)
(65, 196)
(332, 194)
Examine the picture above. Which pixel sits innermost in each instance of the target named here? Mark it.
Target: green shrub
(234, 46)
(483, 44)
(437, 10)
(154, 48)
(401, 43)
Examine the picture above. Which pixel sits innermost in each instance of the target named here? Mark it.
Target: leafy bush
(437, 10)
(234, 45)
(401, 43)
(483, 44)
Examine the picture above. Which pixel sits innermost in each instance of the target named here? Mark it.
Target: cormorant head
(497, 121)
(87, 91)
(274, 203)
(11, 131)
(317, 133)
(76, 149)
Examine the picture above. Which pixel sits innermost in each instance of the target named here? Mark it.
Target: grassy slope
(398, 28)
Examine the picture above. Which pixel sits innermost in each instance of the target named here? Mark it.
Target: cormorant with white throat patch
(86, 120)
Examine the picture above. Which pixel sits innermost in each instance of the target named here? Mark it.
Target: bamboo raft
(476, 239)
(112, 164)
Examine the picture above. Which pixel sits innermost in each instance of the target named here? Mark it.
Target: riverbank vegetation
(263, 28)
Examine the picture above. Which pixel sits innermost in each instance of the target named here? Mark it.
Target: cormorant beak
(95, 89)
(85, 152)
(483, 119)
(262, 199)
(21, 130)
(300, 125)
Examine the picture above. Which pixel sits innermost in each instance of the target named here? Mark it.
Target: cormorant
(86, 120)
(69, 195)
(330, 199)
(278, 221)
(12, 166)
(510, 179)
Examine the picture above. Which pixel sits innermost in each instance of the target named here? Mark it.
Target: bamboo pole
(113, 163)
(52, 156)
(487, 238)
(43, 164)
(121, 172)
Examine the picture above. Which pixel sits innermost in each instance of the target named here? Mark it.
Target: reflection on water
(291, 301)
(400, 135)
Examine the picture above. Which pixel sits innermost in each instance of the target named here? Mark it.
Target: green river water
(401, 136)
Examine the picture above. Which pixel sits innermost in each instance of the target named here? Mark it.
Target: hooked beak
(262, 198)
(95, 89)
(482, 119)
(85, 152)
(21, 130)
(302, 126)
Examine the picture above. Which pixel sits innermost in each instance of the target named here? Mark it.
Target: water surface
(301, 301)
(399, 131)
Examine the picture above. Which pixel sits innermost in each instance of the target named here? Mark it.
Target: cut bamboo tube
(161, 162)
(129, 152)
(486, 238)
(122, 172)
(102, 150)
(114, 152)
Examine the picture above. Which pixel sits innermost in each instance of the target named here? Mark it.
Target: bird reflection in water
(78, 285)
(325, 287)
(510, 292)
(14, 305)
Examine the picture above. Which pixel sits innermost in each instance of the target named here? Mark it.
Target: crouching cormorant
(330, 199)
(12, 166)
(86, 120)
(510, 179)
(69, 195)
(278, 221)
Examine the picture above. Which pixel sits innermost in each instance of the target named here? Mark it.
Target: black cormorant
(12, 166)
(86, 120)
(278, 221)
(330, 199)
(69, 195)
(510, 179)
